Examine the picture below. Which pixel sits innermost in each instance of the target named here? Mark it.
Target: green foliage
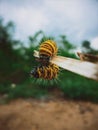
(16, 63)
(77, 87)
(87, 48)
(67, 45)
(22, 90)
(11, 59)
(4, 88)
(25, 91)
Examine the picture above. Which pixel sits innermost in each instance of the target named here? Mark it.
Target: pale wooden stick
(84, 68)
(36, 54)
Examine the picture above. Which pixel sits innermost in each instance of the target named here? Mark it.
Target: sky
(77, 19)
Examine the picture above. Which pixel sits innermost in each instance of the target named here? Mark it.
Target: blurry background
(73, 24)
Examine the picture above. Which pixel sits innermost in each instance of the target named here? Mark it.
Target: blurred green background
(16, 61)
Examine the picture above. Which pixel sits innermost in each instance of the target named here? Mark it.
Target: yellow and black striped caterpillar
(47, 50)
(45, 72)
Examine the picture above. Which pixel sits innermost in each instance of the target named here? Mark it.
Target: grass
(22, 91)
(78, 87)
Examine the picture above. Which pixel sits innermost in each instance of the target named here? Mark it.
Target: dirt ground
(58, 114)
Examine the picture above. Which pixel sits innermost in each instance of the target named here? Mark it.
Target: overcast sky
(77, 19)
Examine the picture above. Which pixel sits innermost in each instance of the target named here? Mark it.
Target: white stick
(83, 68)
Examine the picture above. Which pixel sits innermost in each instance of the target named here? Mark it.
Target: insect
(47, 50)
(45, 72)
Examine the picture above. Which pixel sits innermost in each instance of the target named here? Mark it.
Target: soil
(53, 114)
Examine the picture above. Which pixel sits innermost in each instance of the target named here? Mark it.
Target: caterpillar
(47, 50)
(45, 72)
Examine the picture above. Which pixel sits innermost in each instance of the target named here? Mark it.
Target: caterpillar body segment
(45, 72)
(47, 50)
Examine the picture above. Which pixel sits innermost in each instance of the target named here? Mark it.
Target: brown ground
(57, 114)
